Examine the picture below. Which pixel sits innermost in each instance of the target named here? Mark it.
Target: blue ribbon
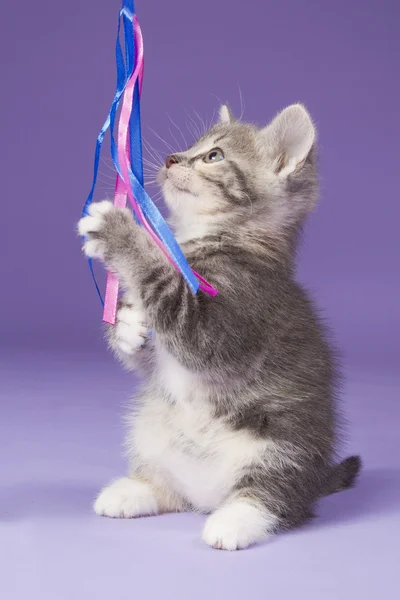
(124, 72)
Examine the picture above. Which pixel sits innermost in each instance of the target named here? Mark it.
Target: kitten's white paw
(126, 498)
(93, 223)
(237, 525)
(131, 330)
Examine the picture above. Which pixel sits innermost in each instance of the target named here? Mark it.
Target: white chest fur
(200, 456)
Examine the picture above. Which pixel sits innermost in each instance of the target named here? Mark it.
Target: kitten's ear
(225, 114)
(288, 139)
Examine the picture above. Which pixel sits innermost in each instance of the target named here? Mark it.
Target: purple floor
(61, 438)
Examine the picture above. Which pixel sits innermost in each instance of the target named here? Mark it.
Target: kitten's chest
(198, 454)
(181, 439)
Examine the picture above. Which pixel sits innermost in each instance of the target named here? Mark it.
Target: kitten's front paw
(130, 331)
(107, 229)
(91, 227)
(236, 526)
(126, 498)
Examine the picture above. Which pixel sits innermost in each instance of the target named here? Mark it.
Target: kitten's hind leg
(133, 497)
(238, 523)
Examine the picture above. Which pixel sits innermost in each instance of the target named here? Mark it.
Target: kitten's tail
(344, 475)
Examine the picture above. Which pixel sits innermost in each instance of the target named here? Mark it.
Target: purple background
(61, 393)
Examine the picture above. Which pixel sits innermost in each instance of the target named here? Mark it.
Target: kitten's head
(238, 175)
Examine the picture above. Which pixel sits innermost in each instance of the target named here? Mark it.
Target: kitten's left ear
(225, 114)
(288, 139)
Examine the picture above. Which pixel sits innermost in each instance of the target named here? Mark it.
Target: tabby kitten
(236, 415)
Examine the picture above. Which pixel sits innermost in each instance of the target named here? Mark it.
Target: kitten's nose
(171, 159)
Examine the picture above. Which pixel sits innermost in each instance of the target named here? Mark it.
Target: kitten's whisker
(170, 148)
(151, 152)
(242, 104)
(157, 196)
(178, 146)
(191, 129)
(180, 132)
(150, 162)
(107, 176)
(218, 99)
(108, 163)
(201, 120)
(159, 191)
(150, 168)
(195, 125)
(155, 155)
(149, 146)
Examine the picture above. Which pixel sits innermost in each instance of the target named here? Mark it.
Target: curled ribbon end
(209, 289)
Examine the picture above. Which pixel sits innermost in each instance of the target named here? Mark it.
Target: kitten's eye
(215, 155)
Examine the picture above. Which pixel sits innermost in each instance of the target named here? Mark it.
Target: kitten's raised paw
(109, 231)
(131, 331)
(126, 498)
(236, 526)
(91, 226)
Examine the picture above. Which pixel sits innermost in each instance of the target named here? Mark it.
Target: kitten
(236, 417)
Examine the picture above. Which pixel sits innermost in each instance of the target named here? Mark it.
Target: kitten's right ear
(225, 114)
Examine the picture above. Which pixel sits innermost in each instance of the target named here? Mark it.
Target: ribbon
(127, 159)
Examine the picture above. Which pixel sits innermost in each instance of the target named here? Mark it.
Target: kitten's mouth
(180, 187)
(176, 185)
(173, 183)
